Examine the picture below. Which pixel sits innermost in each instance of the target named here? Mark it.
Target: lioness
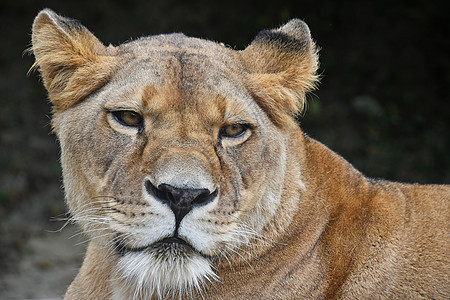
(184, 165)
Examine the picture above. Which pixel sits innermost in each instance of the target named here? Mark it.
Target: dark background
(382, 103)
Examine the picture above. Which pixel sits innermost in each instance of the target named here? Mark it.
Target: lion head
(174, 149)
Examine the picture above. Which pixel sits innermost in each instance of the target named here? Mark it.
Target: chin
(167, 269)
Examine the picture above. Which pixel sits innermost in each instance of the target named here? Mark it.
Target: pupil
(132, 118)
(128, 118)
(235, 129)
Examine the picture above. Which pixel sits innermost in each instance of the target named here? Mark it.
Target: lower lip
(173, 240)
(122, 249)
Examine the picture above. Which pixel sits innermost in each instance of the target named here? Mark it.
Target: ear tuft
(282, 65)
(294, 36)
(72, 61)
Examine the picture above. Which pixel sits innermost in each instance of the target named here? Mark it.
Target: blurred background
(383, 104)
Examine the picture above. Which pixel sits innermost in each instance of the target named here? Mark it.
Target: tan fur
(72, 61)
(291, 219)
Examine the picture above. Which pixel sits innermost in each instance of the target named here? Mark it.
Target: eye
(233, 130)
(128, 118)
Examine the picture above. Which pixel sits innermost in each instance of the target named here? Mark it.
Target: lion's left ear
(281, 65)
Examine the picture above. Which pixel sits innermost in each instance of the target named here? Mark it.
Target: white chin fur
(143, 275)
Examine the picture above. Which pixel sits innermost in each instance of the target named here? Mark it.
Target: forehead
(178, 59)
(179, 71)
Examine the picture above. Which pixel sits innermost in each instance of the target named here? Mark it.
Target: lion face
(172, 164)
(171, 159)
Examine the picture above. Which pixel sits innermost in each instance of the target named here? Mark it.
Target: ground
(49, 265)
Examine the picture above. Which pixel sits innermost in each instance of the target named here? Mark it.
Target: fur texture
(183, 164)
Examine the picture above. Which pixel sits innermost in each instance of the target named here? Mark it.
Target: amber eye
(128, 118)
(233, 130)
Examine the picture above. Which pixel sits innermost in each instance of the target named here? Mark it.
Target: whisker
(67, 222)
(236, 252)
(95, 238)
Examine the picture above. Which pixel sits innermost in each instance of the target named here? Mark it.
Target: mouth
(174, 240)
(166, 243)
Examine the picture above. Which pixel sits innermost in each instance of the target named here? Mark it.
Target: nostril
(204, 197)
(157, 193)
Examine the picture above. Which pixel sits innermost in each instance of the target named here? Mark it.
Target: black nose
(180, 201)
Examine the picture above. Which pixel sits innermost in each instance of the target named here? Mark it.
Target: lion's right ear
(72, 61)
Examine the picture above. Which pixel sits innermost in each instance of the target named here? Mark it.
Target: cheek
(261, 164)
(91, 149)
(250, 161)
